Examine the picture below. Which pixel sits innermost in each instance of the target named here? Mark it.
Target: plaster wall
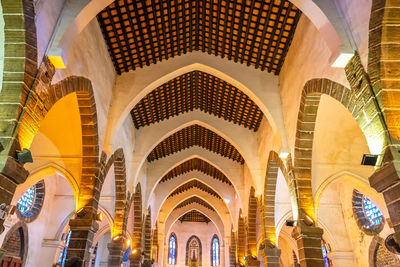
(184, 231)
(283, 204)
(102, 251)
(44, 233)
(58, 141)
(89, 58)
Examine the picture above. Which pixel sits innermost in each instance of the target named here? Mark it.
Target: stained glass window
(325, 250)
(25, 203)
(372, 213)
(172, 250)
(215, 251)
(63, 254)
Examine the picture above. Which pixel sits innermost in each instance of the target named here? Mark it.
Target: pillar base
(115, 253)
(309, 245)
(272, 256)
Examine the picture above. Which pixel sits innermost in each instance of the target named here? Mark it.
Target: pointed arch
(191, 241)
(215, 251)
(172, 249)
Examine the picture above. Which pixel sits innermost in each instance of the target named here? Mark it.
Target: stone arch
(383, 60)
(306, 121)
(41, 101)
(137, 225)
(20, 67)
(252, 224)
(187, 257)
(16, 241)
(147, 235)
(377, 251)
(275, 164)
(241, 239)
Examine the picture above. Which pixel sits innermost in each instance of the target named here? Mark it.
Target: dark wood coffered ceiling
(252, 32)
(193, 200)
(194, 184)
(194, 216)
(199, 165)
(197, 90)
(195, 135)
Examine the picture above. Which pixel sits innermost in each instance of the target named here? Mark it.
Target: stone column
(271, 258)
(134, 260)
(252, 262)
(115, 252)
(82, 233)
(12, 175)
(309, 245)
(386, 181)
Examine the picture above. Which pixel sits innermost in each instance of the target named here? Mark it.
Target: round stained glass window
(30, 204)
(373, 214)
(25, 203)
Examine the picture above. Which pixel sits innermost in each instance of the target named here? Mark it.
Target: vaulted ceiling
(194, 216)
(195, 135)
(193, 200)
(252, 32)
(194, 184)
(199, 165)
(197, 90)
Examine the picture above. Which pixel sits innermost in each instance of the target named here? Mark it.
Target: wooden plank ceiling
(195, 135)
(197, 90)
(194, 184)
(199, 165)
(194, 216)
(252, 32)
(193, 200)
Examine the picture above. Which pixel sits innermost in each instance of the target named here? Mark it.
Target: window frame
(172, 261)
(215, 237)
(37, 204)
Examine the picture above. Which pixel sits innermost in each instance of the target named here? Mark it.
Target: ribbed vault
(193, 200)
(256, 32)
(194, 184)
(194, 216)
(195, 135)
(199, 165)
(197, 90)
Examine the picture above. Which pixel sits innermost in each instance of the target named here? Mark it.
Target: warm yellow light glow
(308, 220)
(128, 242)
(57, 61)
(134, 251)
(284, 155)
(99, 216)
(116, 237)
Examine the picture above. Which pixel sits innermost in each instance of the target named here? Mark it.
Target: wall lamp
(115, 238)
(99, 217)
(134, 251)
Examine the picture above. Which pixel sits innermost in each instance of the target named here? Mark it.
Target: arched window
(30, 203)
(215, 251)
(172, 250)
(368, 216)
(325, 250)
(63, 253)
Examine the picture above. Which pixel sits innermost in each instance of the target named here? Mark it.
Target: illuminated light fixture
(115, 238)
(227, 200)
(99, 217)
(58, 59)
(134, 251)
(308, 220)
(81, 212)
(369, 159)
(290, 223)
(284, 155)
(128, 242)
(342, 60)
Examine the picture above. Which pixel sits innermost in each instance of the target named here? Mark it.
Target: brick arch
(147, 235)
(232, 249)
(241, 239)
(137, 226)
(275, 164)
(40, 103)
(383, 61)
(354, 100)
(20, 67)
(252, 224)
(16, 241)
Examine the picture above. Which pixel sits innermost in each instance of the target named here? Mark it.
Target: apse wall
(183, 232)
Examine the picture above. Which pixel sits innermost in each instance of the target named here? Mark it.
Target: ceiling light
(284, 155)
(342, 60)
